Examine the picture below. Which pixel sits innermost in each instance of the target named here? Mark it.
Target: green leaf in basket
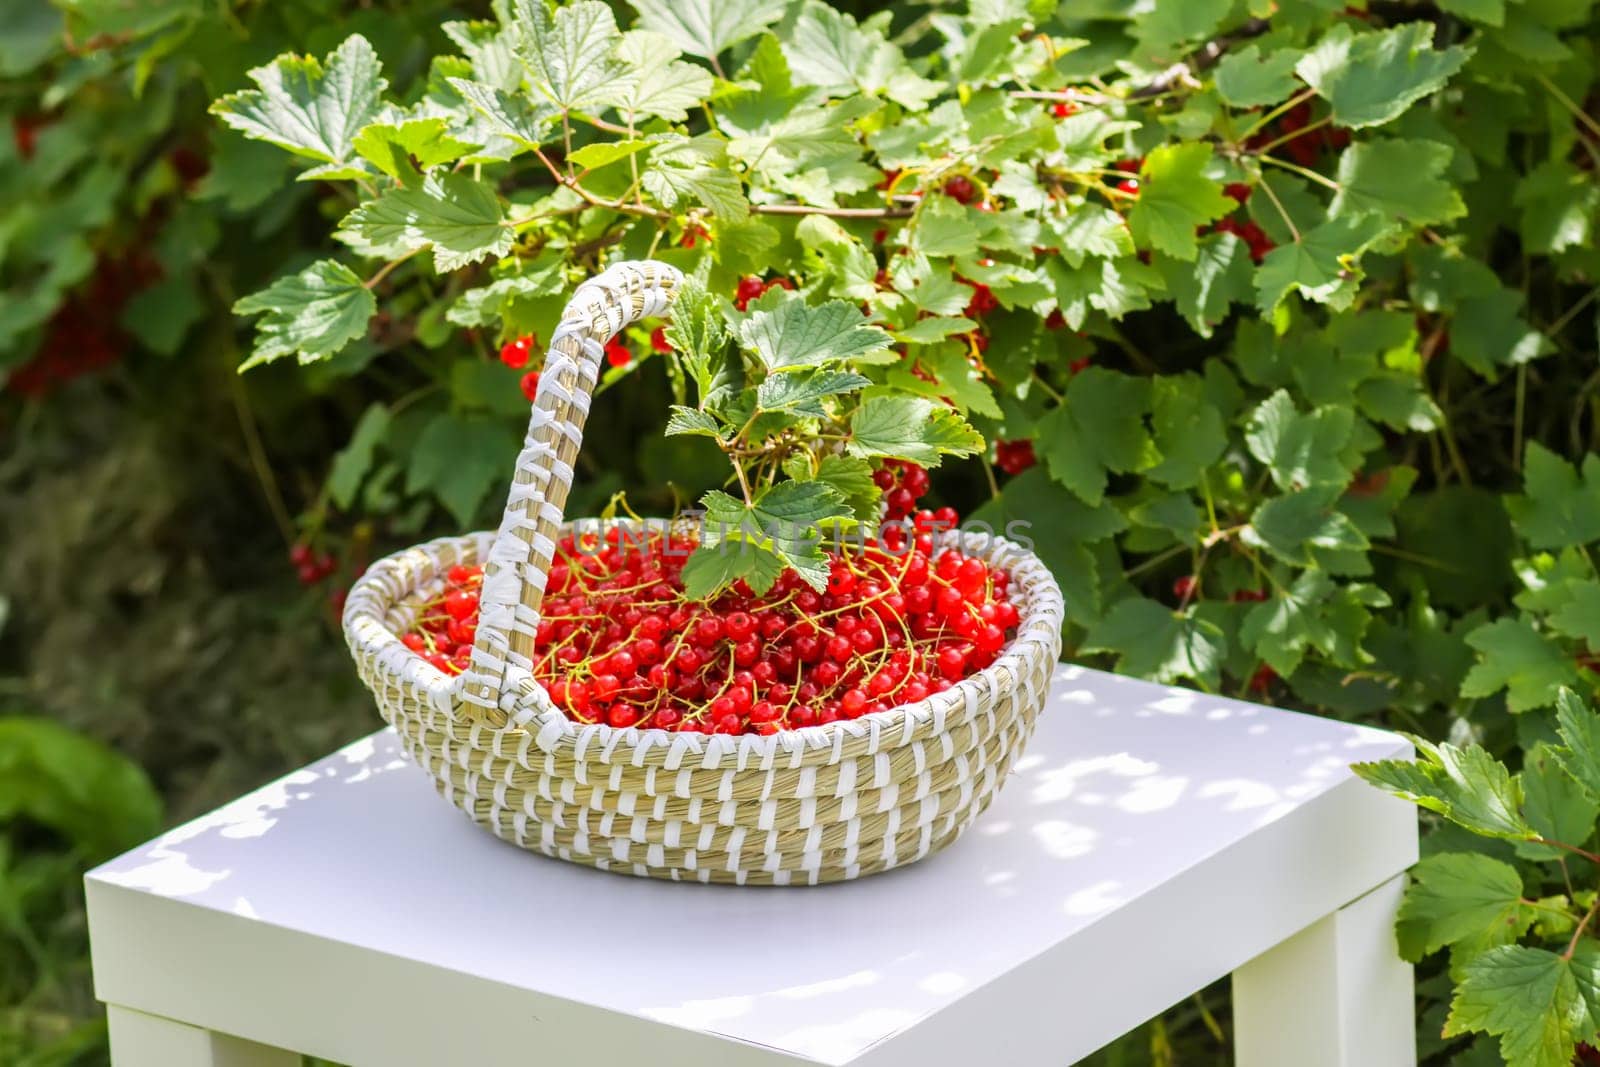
(786, 521)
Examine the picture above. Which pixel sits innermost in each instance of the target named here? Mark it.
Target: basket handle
(518, 563)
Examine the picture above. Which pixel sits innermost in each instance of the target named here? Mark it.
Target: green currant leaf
(1519, 659)
(1456, 896)
(1301, 449)
(1100, 428)
(912, 429)
(828, 49)
(1283, 628)
(1490, 12)
(391, 147)
(708, 27)
(1221, 275)
(934, 329)
(1559, 203)
(1404, 179)
(351, 464)
(1175, 198)
(800, 391)
(312, 314)
(795, 334)
(1579, 616)
(1466, 785)
(1187, 429)
(456, 215)
(491, 49)
(1555, 805)
(684, 420)
(571, 56)
(1579, 728)
(1091, 230)
(1372, 78)
(659, 83)
(710, 568)
(696, 333)
(785, 520)
(1108, 407)
(503, 298)
(1539, 1003)
(1167, 22)
(850, 477)
(522, 121)
(1150, 640)
(695, 168)
(1319, 263)
(1558, 506)
(312, 109)
(1247, 78)
(942, 228)
(1292, 525)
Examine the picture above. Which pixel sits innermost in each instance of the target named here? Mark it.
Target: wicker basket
(821, 804)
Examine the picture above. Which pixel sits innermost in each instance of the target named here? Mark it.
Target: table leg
(140, 1040)
(1336, 994)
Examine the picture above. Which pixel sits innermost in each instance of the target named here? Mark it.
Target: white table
(1152, 841)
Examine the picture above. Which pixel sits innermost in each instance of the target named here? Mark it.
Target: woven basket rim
(1040, 606)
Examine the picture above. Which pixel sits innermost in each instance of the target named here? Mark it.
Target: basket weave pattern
(820, 804)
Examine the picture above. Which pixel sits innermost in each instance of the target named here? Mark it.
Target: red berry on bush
(530, 385)
(617, 352)
(658, 340)
(1183, 588)
(1014, 457)
(960, 188)
(1063, 108)
(515, 353)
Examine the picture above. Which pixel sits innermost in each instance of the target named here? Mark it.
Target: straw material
(822, 804)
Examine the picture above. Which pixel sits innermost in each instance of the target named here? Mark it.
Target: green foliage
(1541, 998)
(1358, 409)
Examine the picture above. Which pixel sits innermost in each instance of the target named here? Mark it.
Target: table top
(1151, 840)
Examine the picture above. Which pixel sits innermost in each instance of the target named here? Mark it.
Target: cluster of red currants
(311, 567)
(1014, 457)
(620, 643)
(750, 288)
(903, 484)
